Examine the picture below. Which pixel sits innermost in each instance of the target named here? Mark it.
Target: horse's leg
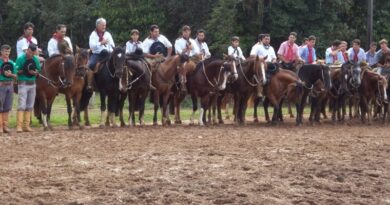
(49, 107)
(112, 105)
(103, 116)
(132, 105)
(214, 104)
(302, 106)
(203, 104)
(363, 105)
(142, 110)
(194, 100)
(69, 110)
(244, 107)
(43, 109)
(280, 114)
(290, 110)
(236, 108)
(164, 110)
(219, 107)
(178, 98)
(266, 105)
(156, 101)
(255, 104)
(121, 105)
(313, 104)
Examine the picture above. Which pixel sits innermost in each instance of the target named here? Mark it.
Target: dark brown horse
(57, 73)
(74, 92)
(373, 86)
(163, 78)
(209, 77)
(136, 80)
(250, 73)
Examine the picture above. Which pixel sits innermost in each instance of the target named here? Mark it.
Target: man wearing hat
(235, 50)
(7, 76)
(153, 39)
(28, 68)
(134, 42)
(186, 45)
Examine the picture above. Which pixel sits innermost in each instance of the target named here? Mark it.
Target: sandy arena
(227, 164)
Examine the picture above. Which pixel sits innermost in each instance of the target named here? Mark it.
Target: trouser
(6, 97)
(26, 96)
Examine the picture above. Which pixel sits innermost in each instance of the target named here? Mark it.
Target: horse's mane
(206, 62)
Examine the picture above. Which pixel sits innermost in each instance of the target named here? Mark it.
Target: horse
(350, 81)
(107, 82)
(309, 74)
(282, 83)
(136, 79)
(373, 86)
(74, 92)
(336, 99)
(163, 78)
(210, 77)
(251, 73)
(58, 72)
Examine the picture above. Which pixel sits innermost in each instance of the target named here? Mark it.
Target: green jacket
(20, 61)
(2, 77)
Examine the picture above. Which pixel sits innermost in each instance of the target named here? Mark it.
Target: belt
(26, 82)
(6, 83)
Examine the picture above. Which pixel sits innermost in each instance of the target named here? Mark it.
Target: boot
(19, 121)
(1, 123)
(5, 123)
(27, 120)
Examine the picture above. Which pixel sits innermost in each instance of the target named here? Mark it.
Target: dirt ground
(226, 164)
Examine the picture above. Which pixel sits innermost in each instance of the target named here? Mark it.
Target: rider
(380, 55)
(333, 54)
(201, 43)
(308, 52)
(134, 42)
(6, 87)
(155, 36)
(26, 39)
(288, 52)
(235, 50)
(343, 50)
(371, 55)
(186, 45)
(356, 54)
(26, 86)
(59, 37)
(263, 48)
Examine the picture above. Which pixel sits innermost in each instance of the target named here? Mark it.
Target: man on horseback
(60, 43)
(134, 42)
(28, 68)
(333, 54)
(7, 76)
(235, 50)
(308, 52)
(288, 52)
(356, 54)
(101, 44)
(381, 55)
(26, 39)
(202, 45)
(186, 45)
(371, 55)
(263, 48)
(343, 50)
(155, 38)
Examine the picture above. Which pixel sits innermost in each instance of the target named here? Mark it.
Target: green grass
(60, 117)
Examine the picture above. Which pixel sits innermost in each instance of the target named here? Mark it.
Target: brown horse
(57, 73)
(373, 86)
(250, 73)
(74, 92)
(282, 83)
(163, 78)
(209, 77)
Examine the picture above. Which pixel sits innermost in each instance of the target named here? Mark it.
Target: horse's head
(326, 77)
(259, 68)
(382, 89)
(118, 59)
(181, 62)
(81, 57)
(355, 71)
(233, 61)
(68, 72)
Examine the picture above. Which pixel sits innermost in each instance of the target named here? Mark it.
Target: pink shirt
(283, 50)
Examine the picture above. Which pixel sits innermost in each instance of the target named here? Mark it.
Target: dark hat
(32, 47)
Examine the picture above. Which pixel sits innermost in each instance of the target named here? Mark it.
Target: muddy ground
(181, 164)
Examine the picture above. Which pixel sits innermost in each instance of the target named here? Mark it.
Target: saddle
(104, 56)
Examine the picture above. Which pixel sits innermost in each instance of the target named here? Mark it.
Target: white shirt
(52, 46)
(236, 53)
(131, 46)
(22, 45)
(96, 46)
(149, 41)
(261, 51)
(203, 48)
(181, 44)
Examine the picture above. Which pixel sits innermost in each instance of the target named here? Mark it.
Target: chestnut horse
(58, 72)
(163, 78)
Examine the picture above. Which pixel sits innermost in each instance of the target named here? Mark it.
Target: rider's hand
(104, 42)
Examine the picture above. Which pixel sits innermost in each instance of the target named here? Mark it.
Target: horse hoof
(88, 124)
(155, 123)
(292, 116)
(115, 126)
(178, 122)
(256, 120)
(221, 122)
(102, 126)
(81, 127)
(46, 129)
(50, 127)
